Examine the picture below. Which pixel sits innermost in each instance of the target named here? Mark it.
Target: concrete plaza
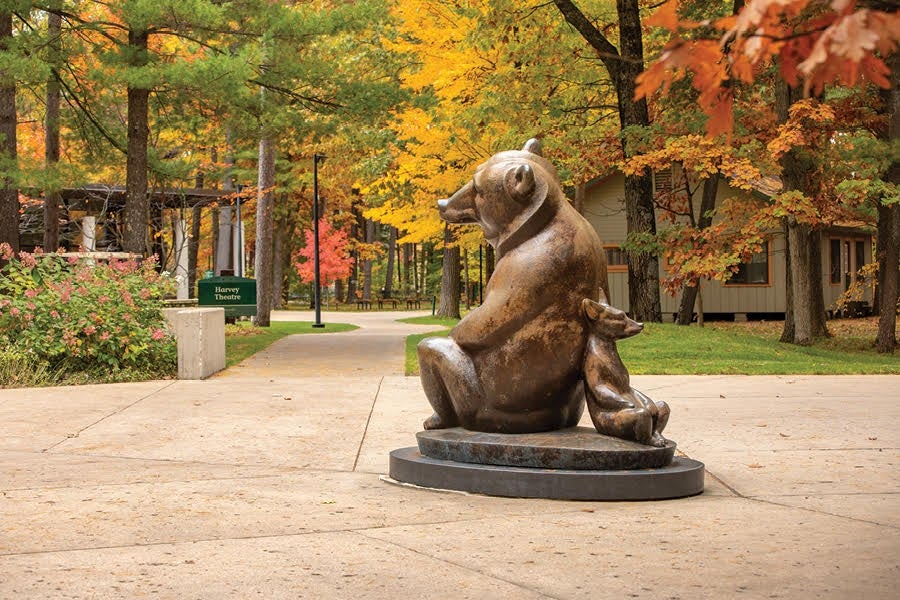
(267, 481)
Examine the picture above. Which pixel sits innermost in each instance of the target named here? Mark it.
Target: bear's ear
(592, 310)
(519, 182)
(534, 146)
(603, 298)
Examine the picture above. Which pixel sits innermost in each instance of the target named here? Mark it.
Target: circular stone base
(576, 448)
(683, 477)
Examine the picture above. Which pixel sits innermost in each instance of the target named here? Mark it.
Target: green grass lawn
(412, 361)
(731, 348)
(243, 339)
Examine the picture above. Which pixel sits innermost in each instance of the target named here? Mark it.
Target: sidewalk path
(265, 482)
(377, 348)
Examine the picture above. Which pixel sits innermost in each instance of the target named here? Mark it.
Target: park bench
(413, 301)
(382, 301)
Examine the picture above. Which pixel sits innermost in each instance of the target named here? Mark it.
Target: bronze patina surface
(514, 364)
(577, 448)
(616, 408)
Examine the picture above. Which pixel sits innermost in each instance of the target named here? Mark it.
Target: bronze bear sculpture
(616, 408)
(514, 364)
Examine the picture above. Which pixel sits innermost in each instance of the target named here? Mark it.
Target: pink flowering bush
(82, 316)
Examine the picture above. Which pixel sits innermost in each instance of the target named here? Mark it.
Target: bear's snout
(634, 328)
(459, 208)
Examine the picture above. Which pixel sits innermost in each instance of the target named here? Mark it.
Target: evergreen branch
(296, 96)
(71, 96)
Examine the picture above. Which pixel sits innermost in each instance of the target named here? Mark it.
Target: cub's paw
(658, 440)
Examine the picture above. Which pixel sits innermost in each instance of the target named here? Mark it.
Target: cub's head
(504, 192)
(607, 322)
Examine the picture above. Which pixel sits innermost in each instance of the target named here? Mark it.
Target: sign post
(237, 295)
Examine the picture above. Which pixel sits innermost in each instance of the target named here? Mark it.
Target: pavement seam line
(366, 428)
(457, 565)
(725, 485)
(112, 414)
(264, 536)
(820, 512)
(141, 482)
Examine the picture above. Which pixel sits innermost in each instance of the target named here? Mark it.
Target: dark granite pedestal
(570, 464)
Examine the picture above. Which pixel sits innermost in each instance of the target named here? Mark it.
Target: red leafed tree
(817, 42)
(334, 258)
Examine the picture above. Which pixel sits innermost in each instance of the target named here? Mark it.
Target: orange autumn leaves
(816, 42)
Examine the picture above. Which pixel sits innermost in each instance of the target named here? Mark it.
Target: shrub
(80, 316)
(20, 370)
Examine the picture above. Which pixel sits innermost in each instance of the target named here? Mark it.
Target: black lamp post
(239, 267)
(316, 293)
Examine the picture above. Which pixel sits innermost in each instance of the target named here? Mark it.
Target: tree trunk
(787, 333)
(889, 263)
(427, 250)
(156, 225)
(888, 241)
(466, 277)
(807, 297)
(489, 260)
(9, 193)
(401, 268)
(367, 264)
(278, 260)
(389, 268)
(352, 283)
(407, 268)
(799, 239)
(888, 236)
(415, 269)
(704, 220)
(580, 195)
(448, 305)
(137, 203)
(52, 197)
(265, 201)
(194, 249)
(643, 267)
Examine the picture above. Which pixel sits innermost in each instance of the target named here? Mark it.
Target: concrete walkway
(265, 482)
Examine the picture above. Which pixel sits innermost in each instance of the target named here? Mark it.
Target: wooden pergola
(98, 196)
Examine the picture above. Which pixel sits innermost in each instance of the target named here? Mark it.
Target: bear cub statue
(616, 408)
(513, 365)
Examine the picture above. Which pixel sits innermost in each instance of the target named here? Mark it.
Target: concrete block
(200, 333)
(171, 315)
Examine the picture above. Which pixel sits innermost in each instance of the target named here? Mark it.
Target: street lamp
(239, 267)
(316, 293)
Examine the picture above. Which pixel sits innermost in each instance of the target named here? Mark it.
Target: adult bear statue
(514, 364)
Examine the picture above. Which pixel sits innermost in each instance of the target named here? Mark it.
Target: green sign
(237, 295)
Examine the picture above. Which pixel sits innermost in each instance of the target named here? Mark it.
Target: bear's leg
(659, 423)
(627, 424)
(450, 382)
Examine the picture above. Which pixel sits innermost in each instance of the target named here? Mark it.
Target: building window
(615, 259)
(755, 272)
(860, 255)
(662, 180)
(835, 252)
